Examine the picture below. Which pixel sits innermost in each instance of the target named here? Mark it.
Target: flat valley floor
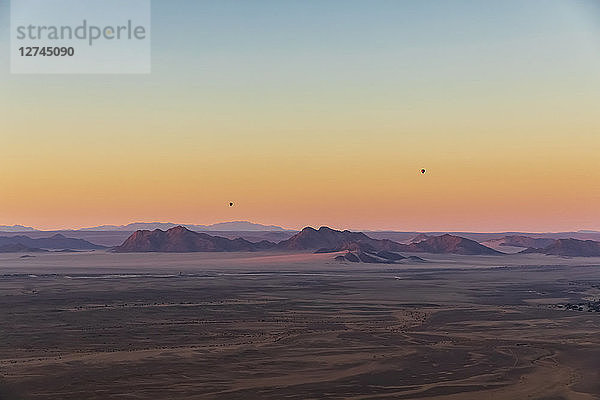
(296, 326)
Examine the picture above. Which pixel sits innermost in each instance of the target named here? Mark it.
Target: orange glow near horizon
(303, 123)
(528, 185)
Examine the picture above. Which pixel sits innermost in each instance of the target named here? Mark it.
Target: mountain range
(356, 245)
(450, 244)
(322, 240)
(520, 241)
(246, 229)
(221, 226)
(569, 247)
(16, 228)
(330, 240)
(183, 240)
(482, 237)
(327, 240)
(56, 242)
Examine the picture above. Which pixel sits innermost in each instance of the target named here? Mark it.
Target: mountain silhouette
(330, 240)
(322, 240)
(183, 240)
(221, 226)
(326, 240)
(520, 241)
(569, 247)
(450, 244)
(16, 228)
(56, 242)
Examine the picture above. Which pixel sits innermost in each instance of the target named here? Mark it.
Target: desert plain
(264, 325)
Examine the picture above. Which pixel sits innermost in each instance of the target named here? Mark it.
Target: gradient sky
(320, 112)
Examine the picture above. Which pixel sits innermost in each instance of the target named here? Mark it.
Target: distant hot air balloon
(423, 171)
(230, 204)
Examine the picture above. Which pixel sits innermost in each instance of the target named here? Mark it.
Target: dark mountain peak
(570, 248)
(56, 242)
(328, 239)
(446, 238)
(182, 240)
(323, 240)
(178, 230)
(326, 229)
(447, 243)
(521, 241)
(143, 233)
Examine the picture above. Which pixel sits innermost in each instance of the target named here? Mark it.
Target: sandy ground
(296, 326)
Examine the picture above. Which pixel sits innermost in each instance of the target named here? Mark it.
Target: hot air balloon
(230, 204)
(423, 171)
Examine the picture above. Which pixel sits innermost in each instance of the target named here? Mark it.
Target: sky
(323, 112)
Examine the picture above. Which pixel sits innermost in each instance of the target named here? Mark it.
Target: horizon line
(54, 229)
